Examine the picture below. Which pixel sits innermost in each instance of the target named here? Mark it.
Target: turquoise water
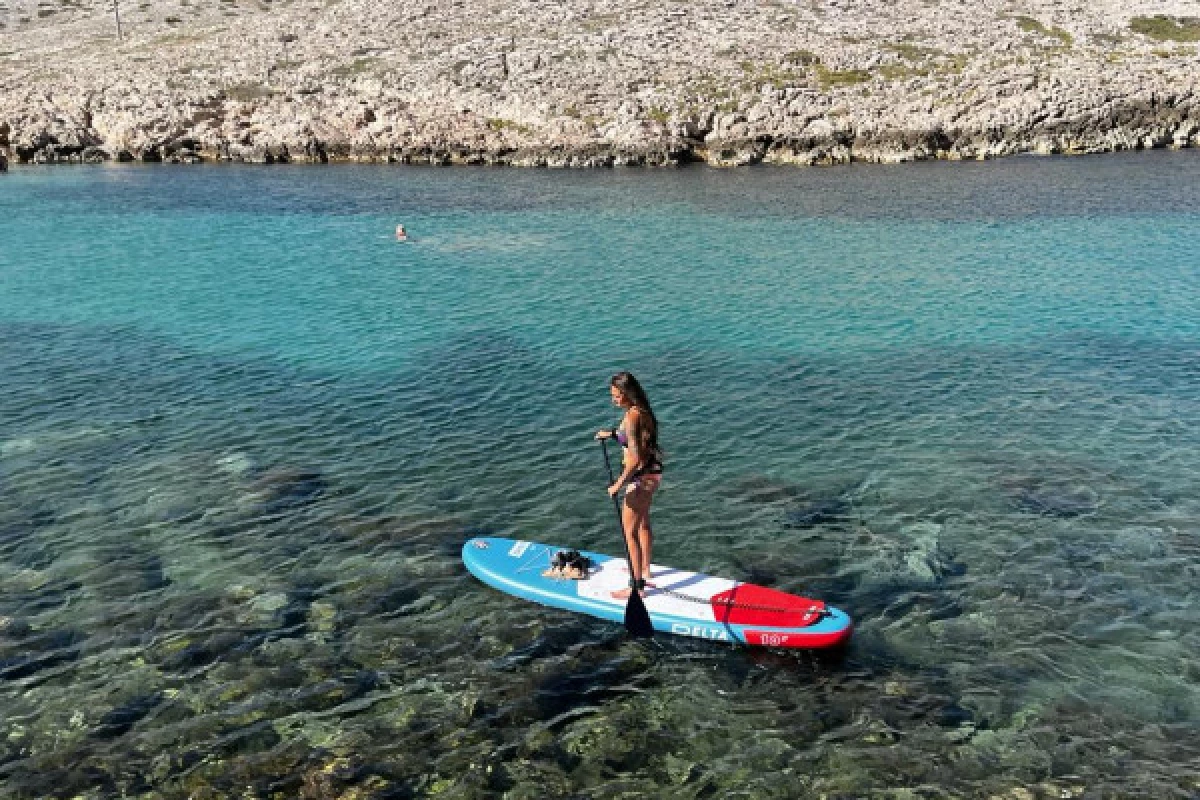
(243, 434)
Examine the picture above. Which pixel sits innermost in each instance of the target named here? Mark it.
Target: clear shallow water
(243, 434)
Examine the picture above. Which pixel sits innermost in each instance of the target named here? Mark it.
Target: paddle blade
(637, 618)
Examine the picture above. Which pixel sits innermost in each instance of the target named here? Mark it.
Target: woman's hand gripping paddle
(637, 618)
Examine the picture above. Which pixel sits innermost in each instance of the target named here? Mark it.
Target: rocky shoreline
(594, 83)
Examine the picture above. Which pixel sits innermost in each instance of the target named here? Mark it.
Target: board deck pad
(680, 602)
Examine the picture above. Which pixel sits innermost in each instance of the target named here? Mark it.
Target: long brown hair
(647, 427)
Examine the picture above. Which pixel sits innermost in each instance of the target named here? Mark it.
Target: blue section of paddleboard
(516, 567)
(490, 560)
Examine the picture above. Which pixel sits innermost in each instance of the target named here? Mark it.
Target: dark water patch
(931, 606)
(257, 738)
(38, 599)
(759, 489)
(293, 617)
(559, 639)
(1063, 502)
(48, 779)
(121, 719)
(569, 684)
(191, 652)
(825, 511)
(35, 552)
(131, 572)
(396, 600)
(14, 534)
(13, 629)
(37, 651)
(281, 490)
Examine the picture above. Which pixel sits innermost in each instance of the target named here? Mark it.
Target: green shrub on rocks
(356, 67)
(1164, 28)
(802, 58)
(1031, 25)
(497, 124)
(834, 78)
(245, 92)
(914, 52)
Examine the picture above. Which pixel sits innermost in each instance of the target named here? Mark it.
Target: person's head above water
(627, 392)
(400, 232)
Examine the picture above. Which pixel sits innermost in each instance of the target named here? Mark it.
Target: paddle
(637, 618)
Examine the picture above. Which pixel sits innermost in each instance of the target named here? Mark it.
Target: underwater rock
(239, 465)
(284, 612)
(924, 558)
(534, 780)
(322, 616)
(18, 446)
(615, 740)
(172, 505)
(912, 560)
(267, 604)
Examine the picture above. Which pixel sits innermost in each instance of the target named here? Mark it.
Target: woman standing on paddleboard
(641, 473)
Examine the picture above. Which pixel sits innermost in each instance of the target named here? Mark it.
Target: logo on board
(702, 631)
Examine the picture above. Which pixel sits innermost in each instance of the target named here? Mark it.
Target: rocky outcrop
(593, 83)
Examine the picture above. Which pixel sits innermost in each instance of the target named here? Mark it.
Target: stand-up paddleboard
(685, 603)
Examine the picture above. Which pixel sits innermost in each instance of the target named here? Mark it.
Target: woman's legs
(645, 543)
(632, 520)
(635, 519)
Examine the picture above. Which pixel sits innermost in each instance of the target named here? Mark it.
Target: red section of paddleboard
(747, 604)
(800, 639)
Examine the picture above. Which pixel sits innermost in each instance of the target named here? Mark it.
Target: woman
(641, 474)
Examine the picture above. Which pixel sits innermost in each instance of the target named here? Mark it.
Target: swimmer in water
(401, 235)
